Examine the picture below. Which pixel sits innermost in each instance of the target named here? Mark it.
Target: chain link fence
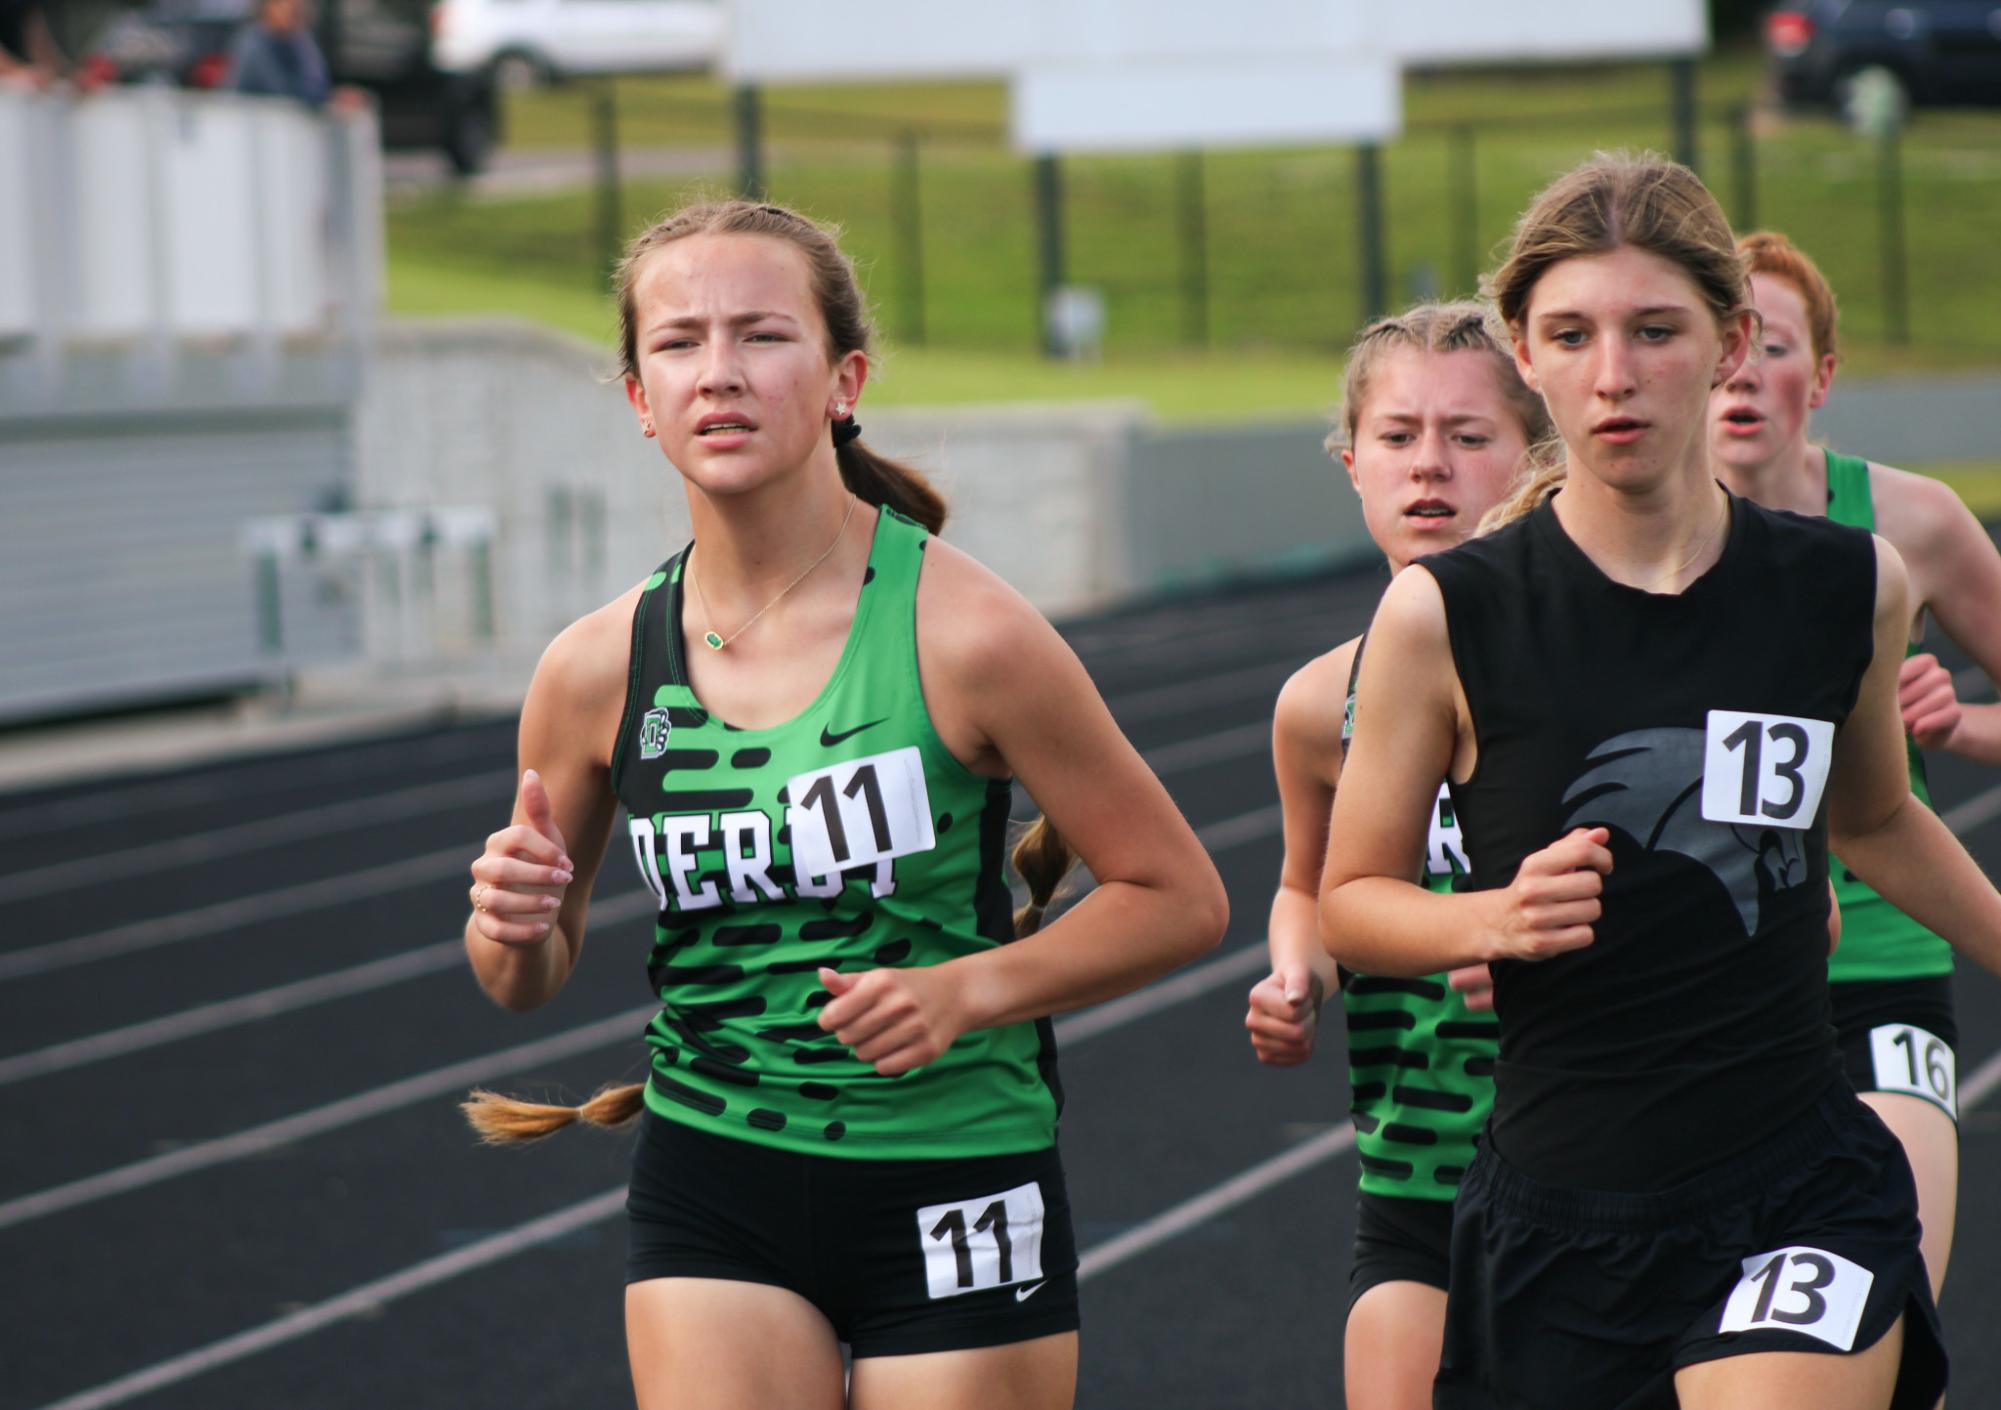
(961, 239)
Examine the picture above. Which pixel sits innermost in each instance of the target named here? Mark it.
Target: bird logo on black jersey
(1648, 785)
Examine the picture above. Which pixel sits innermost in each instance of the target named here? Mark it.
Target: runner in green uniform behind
(1434, 425)
(813, 716)
(1891, 977)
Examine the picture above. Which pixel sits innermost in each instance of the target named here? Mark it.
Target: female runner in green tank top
(1433, 427)
(1891, 977)
(812, 715)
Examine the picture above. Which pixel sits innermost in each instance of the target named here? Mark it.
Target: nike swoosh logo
(828, 739)
(1024, 1294)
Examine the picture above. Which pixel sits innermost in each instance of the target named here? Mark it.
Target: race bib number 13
(859, 813)
(1765, 770)
(1806, 1290)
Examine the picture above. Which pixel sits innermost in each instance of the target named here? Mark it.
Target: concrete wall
(1078, 505)
(1914, 420)
(186, 284)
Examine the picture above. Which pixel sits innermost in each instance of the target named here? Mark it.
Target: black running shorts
(1400, 1241)
(1808, 1242)
(1899, 1035)
(901, 1256)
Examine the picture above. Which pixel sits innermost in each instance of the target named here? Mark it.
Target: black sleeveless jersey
(1696, 727)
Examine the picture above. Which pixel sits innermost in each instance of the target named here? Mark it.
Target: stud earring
(647, 427)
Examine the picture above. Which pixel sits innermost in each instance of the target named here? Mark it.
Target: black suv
(382, 46)
(1940, 53)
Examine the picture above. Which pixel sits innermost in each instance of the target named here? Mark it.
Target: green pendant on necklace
(715, 643)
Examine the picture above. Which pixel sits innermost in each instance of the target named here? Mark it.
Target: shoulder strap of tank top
(896, 560)
(647, 666)
(1348, 706)
(1848, 500)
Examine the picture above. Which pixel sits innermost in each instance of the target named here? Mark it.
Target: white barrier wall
(186, 282)
(1078, 505)
(153, 213)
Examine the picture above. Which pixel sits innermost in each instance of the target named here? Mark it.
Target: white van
(525, 42)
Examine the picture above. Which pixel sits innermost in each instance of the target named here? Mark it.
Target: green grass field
(1278, 238)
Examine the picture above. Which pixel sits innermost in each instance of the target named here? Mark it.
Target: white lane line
(370, 1298)
(269, 1003)
(227, 1013)
(1071, 1030)
(317, 1121)
(1257, 824)
(1163, 994)
(1975, 812)
(431, 868)
(344, 765)
(1192, 1213)
(193, 847)
(1254, 683)
(1239, 743)
(1977, 1088)
(415, 964)
(318, 821)
(365, 1300)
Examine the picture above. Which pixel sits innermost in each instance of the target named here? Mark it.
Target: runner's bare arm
(1306, 756)
(1008, 696)
(1409, 719)
(522, 950)
(1882, 832)
(1955, 573)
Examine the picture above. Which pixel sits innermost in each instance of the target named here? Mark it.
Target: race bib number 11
(988, 1242)
(1764, 770)
(859, 813)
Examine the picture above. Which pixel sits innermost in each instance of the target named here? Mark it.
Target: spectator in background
(28, 51)
(276, 55)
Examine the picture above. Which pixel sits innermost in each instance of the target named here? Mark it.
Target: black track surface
(1242, 1309)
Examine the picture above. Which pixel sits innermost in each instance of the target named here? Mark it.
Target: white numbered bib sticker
(1766, 770)
(1909, 1060)
(1447, 849)
(859, 813)
(988, 1242)
(1806, 1290)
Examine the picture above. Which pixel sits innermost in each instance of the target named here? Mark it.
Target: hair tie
(846, 430)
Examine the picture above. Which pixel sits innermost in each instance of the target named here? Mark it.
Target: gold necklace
(1675, 572)
(717, 643)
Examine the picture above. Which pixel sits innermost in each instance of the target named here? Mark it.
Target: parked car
(1934, 52)
(525, 42)
(381, 46)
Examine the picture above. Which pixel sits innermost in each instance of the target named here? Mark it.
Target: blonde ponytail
(1543, 472)
(502, 1121)
(1043, 857)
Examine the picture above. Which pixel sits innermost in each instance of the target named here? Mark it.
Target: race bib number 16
(1765, 770)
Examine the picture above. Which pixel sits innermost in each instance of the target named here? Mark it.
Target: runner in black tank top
(1891, 979)
(1434, 423)
(1678, 1181)
(813, 715)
